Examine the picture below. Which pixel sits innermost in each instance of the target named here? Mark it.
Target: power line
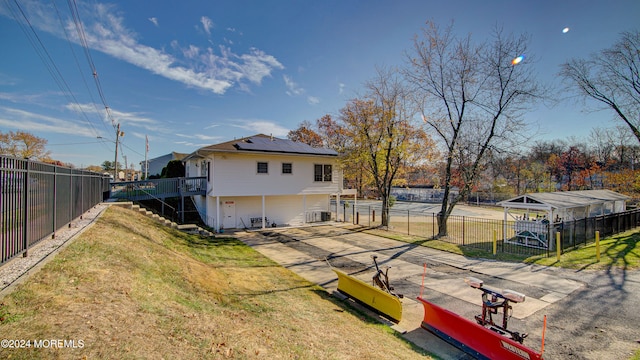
(75, 14)
(75, 58)
(45, 57)
(78, 143)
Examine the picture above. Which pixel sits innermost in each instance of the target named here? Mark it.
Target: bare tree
(611, 77)
(472, 96)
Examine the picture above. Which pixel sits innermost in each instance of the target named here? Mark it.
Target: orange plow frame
(369, 295)
(472, 338)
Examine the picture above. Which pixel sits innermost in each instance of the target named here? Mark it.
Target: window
(317, 173)
(327, 173)
(287, 168)
(263, 167)
(322, 172)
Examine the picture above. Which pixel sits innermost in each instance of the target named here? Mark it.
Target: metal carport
(556, 207)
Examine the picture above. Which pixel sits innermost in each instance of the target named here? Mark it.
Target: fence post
(344, 212)
(558, 248)
(82, 209)
(433, 225)
(25, 222)
(55, 197)
(70, 197)
(463, 231)
(598, 246)
(408, 223)
(495, 241)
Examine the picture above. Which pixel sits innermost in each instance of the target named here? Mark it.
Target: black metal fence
(37, 199)
(511, 236)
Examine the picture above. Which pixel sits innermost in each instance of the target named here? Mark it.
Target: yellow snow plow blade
(369, 295)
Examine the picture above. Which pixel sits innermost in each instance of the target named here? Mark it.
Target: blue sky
(193, 73)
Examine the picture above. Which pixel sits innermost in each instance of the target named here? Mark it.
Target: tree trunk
(385, 211)
(442, 224)
(443, 214)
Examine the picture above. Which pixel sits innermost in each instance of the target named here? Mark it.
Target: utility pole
(146, 161)
(126, 169)
(115, 163)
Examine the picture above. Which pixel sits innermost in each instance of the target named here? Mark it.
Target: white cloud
(313, 100)
(192, 52)
(154, 20)
(190, 144)
(22, 98)
(106, 32)
(126, 119)
(121, 116)
(25, 120)
(293, 88)
(199, 137)
(341, 87)
(207, 24)
(261, 127)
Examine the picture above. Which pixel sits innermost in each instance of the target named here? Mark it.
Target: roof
(564, 199)
(171, 156)
(264, 144)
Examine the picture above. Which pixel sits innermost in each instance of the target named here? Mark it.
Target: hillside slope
(130, 288)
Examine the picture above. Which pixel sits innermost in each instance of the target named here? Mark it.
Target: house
(157, 164)
(263, 181)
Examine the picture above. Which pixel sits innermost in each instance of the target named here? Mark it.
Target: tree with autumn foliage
(24, 145)
(380, 135)
(305, 134)
(472, 97)
(337, 137)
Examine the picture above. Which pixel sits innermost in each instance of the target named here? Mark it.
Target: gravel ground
(18, 268)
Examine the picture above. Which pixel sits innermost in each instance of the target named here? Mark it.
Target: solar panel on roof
(280, 145)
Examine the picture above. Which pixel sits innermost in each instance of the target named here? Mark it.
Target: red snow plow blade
(470, 337)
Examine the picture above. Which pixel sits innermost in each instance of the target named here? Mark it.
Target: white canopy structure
(556, 207)
(569, 205)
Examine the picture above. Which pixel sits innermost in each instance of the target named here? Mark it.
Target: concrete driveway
(554, 292)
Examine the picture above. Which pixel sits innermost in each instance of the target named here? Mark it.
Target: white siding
(283, 209)
(236, 175)
(288, 197)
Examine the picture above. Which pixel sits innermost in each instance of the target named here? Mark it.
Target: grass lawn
(620, 251)
(129, 288)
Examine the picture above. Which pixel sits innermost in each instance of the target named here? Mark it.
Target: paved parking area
(312, 251)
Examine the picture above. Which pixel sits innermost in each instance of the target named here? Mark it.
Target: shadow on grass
(622, 249)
